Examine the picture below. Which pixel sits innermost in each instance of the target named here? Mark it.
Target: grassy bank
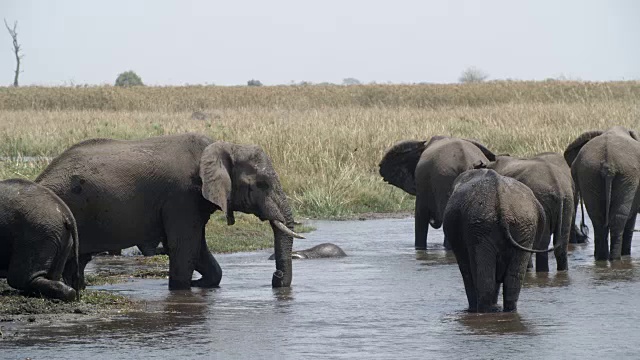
(325, 141)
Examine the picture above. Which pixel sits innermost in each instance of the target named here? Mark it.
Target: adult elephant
(427, 170)
(38, 241)
(492, 221)
(324, 250)
(126, 193)
(606, 168)
(549, 177)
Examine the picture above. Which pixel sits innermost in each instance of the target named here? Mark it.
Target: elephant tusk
(286, 230)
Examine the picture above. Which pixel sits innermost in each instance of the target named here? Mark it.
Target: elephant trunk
(282, 244)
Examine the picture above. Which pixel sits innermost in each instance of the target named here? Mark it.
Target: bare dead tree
(16, 48)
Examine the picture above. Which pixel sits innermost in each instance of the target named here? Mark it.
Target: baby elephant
(491, 222)
(38, 241)
(325, 250)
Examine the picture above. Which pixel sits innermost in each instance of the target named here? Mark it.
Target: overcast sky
(280, 41)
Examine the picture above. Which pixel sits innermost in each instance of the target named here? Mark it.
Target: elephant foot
(510, 306)
(205, 283)
(179, 284)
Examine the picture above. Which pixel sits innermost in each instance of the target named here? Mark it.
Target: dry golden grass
(325, 141)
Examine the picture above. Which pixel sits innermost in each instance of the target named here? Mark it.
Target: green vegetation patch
(14, 303)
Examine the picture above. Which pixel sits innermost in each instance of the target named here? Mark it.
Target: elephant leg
(628, 235)
(83, 260)
(530, 264)
(617, 227)
(514, 276)
(82, 263)
(484, 263)
(51, 289)
(30, 267)
(467, 277)
(446, 244)
(184, 226)
(542, 259)
(600, 243)
(208, 267)
(542, 262)
(421, 224)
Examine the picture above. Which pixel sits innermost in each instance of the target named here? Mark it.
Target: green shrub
(129, 78)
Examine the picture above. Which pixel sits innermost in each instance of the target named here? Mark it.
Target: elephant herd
(496, 209)
(105, 195)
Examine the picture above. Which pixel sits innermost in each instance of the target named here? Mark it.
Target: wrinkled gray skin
(427, 170)
(492, 221)
(549, 177)
(324, 250)
(125, 193)
(39, 241)
(606, 168)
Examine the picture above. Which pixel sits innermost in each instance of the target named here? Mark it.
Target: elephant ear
(574, 148)
(488, 153)
(215, 169)
(398, 165)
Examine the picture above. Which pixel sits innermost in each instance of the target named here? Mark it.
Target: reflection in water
(283, 294)
(435, 257)
(614, 271)
(547, 279)
(498, 323)
(384, 300)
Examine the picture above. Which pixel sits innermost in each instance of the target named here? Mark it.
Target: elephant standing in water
(427, 170)
(492, 221)
(39, 241)
(126, 193)
(324, 250)
(549, 177)
(606, 168)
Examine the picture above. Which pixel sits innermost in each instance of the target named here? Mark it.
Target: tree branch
(16, 48)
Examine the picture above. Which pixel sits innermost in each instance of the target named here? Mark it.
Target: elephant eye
(262, 185)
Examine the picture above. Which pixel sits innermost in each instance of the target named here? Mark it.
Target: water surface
(383, 301)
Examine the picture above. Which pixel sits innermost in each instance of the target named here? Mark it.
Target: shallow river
(384, 300)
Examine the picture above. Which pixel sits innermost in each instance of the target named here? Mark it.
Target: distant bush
(351, 81)
(473, 75)
(129, 78)
(254, 82)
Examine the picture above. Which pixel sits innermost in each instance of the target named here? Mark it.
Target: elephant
(130, 192)
(492, 221)
(39, 241)
(549, 177)
(427, 169)
(605, 166)
(324, 250)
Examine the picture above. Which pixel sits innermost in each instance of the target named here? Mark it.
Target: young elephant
(492, 221)
(39, 241)
(324, 250)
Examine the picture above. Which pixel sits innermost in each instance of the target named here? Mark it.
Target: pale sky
(279, 41)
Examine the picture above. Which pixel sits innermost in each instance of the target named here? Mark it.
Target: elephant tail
(608, 181)
(517, 245)
(505, 228)
(75, 278)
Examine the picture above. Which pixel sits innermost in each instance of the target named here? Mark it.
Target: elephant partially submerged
(427, 170)
(324, 250)
(549, 177)
(126, 193)
(492, 221)
(38, 241)
(606, 168)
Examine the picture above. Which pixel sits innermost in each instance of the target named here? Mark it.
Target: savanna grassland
(325, 141)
